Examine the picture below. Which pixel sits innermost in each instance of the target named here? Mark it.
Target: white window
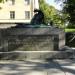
(11, 2)
(27, 14)
(12, 14)
(27, 2)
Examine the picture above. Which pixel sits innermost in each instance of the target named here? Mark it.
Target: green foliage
(71, 26)
(69, 30)
(69, 9)
(51, 14)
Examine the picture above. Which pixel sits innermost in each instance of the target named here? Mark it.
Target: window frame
(27, 2)
(12, 2)
(12, 14)
(27, 15)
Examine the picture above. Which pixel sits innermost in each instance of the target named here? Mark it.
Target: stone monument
(33, 41)
(34, 37)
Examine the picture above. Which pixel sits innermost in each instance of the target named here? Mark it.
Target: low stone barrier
(23, 55)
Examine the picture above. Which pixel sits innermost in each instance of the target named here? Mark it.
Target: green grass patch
(69, 30)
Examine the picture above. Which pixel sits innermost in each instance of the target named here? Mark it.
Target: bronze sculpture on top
(38, 17)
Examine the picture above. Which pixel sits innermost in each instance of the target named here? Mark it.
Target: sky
(51, 2)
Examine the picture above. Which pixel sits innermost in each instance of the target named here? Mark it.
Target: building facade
(17, 11)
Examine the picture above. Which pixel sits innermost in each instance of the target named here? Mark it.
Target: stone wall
(32, 39)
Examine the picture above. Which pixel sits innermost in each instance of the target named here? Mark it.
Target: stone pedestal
(36, 38)
(32, 43)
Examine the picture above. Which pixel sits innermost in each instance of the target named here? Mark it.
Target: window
(13, 2)
(27, 2)
(6, 0)
(12, 14)
(27, 14)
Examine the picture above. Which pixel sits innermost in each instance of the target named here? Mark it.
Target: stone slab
(42, 55)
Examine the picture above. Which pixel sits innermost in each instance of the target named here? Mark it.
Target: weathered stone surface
(32, 39)
(23, 55)
(33, 43)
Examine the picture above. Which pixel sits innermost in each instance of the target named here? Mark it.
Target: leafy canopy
(51, 14)
(69, 10)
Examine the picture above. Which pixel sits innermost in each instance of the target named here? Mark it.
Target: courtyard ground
(37, 67)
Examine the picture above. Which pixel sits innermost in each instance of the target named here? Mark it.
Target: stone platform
(31, 38)
(32, 42)
(37, 55)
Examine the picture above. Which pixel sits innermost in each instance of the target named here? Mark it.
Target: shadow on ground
(27, 68)
(33, 67)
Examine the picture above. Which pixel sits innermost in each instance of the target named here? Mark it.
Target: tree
(69, 10)
(48, 11)
(51, 14)
(59, 19)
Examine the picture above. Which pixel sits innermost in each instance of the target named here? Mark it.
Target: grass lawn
(69, 30)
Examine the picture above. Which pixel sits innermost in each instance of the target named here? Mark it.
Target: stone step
(23, 55)
(5, 26)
